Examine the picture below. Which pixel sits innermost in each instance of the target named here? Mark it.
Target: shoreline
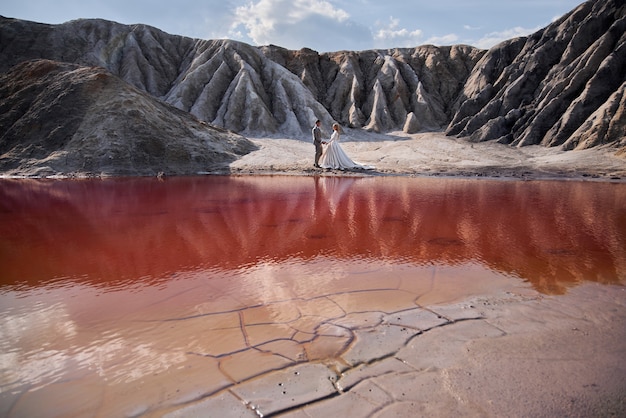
(434, 154)
(430, 154)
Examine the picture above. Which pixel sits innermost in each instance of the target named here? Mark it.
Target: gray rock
(604, 126)
(562, 86)
(59, 118)
(411, 125)
(266, 91)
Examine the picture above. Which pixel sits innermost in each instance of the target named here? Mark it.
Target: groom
(317, 141)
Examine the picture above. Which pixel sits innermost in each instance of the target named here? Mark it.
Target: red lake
(120, 295)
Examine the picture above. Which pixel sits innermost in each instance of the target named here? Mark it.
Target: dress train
(336, 158)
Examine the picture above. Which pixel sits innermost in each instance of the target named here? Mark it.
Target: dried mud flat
(507, 354)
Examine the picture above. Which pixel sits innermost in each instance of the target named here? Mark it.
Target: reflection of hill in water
(549, 233)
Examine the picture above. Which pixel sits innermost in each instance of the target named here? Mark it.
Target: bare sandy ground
(434, 154)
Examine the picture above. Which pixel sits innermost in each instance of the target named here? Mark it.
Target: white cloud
(450, 39)
(296, 23)
(392, 36)
(493, 38)
(323, 25)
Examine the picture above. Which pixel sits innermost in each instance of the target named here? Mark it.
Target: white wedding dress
(335, 157)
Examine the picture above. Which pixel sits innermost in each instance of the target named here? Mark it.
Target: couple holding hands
(329, 154)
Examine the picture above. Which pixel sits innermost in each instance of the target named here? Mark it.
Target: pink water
(128, 292)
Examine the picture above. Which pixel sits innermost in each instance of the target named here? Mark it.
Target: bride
(335, 157)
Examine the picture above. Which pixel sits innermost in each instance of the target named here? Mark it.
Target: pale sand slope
(435, 154)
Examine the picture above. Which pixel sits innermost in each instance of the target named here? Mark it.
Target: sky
(322, 25)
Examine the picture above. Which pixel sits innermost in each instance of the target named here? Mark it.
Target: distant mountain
(262, 91)
(562, 86)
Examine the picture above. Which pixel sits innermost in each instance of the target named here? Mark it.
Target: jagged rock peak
(262, 91)
(562, 86)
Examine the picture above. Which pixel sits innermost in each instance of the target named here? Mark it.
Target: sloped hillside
(258, 91)
(563, 86)
(408, 89)
(60, 118)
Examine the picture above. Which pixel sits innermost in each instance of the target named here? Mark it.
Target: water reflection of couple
(330, 154)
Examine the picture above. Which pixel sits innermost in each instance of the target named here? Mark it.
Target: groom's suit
(317, 140)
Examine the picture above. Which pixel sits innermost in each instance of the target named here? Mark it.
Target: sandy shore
(434, 154)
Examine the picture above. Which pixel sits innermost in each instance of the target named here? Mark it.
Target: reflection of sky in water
(123, 280)
(42, 346)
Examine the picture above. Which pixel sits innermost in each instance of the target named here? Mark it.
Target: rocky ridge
(266, 91)
(562, 86)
